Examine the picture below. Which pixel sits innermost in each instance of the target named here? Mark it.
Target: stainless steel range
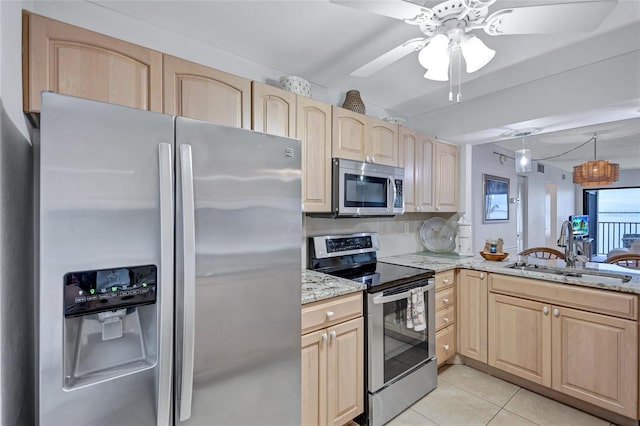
(400, 321)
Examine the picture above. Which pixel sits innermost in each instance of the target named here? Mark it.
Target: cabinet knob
(482, 275)
(368, 159)
(445, 281)
(437, 207)
(373, 159)
(332, 335)
(329, 314)
(446, 347)
(446, 320)
(545, 310)
(445, 300)
(324, 337)
(556, 312)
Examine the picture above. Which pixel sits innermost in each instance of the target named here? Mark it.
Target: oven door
(394, 350)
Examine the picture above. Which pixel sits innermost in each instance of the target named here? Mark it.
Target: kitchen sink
(567, 272)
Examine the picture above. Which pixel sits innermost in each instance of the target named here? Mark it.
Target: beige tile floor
(469, 397)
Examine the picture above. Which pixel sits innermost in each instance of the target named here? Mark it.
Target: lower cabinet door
(314, 378)
(520, 337)
(345, 371)
(595, 359)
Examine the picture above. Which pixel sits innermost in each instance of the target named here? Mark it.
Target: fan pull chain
(459, 97)
(450, 82)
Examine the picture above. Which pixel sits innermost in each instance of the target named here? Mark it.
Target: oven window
(365, 191)
(404, 348)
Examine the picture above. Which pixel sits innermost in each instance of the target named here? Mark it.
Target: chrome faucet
(566, 240)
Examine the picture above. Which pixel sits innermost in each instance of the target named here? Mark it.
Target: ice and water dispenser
(110, 326)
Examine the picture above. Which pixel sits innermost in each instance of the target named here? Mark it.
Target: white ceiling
(568, 85)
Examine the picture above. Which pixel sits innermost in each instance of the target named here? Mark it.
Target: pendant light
(596, 172)
(523, 156)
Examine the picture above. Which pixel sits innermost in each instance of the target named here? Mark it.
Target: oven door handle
(393, 297)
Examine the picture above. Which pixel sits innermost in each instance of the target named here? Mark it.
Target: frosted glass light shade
(439, 72)
(523, 160)
(435, 58)
(476, 53)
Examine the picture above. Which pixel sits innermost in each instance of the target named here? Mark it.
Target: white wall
(486, 162)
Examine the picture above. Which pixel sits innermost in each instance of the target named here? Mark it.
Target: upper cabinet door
(424, 162)
(314, 129)
(274, 110)
(62, 58)
(407, 144)
(350, 134)
(384, 143)
(446, 177)
(195, 91)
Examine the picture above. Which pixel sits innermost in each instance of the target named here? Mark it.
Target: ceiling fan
(445, 27)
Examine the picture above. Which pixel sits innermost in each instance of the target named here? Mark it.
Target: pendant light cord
(592, 138)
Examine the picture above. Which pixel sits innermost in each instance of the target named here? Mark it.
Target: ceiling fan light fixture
(435, 53)
(476, 53)
(439, 71)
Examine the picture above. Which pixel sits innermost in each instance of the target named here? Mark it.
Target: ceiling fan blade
(549, 18)
(397, 9)
(390, 57)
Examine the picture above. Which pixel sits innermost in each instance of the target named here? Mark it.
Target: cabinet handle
(445, 300)
(329, 314)
(556, 312)
(545, 310)
(332, 335)
(324, 337)
(446, 347)
(482, 275)
(446, 320)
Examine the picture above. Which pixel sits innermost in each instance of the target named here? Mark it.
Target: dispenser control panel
(88, 292)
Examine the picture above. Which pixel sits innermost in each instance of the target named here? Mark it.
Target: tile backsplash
(391, 231)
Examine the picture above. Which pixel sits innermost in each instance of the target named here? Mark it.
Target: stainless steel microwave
(366, 189)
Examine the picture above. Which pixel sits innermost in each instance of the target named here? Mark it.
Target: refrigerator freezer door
(246, 351)
(100, 208)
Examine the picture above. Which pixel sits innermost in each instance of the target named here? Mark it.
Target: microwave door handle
(391, 194)
(393, 297)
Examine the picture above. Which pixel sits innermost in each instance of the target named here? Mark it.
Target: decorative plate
(295, 84)
(437, 235)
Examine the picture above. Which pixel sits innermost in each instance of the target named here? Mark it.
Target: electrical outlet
(405, 228)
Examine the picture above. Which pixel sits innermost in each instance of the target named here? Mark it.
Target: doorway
(551, 214)
(521, 215)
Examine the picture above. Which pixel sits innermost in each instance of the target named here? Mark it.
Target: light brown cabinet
(431, 172)
(361, 138)
(273, 110)
(314, 130)
(202, 93)
(66, 59)
(472, 314)
(445, 316)
(332, 361)
(591, 356)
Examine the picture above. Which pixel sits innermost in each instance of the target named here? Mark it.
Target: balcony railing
(612, 235)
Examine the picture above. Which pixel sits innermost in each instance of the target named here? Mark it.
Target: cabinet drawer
(445, 344)
(445, 317)
(588, 299)
(445, 298)
(445, 279)
(324, 313)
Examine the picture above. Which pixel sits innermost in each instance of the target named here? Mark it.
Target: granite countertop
(439, 264)
(318, 286)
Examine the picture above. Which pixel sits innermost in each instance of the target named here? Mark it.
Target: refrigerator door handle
(189, 291)
(165, 313)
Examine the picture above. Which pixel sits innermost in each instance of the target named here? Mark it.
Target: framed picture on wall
(496, 199)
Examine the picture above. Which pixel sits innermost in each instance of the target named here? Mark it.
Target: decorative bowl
(297, 85)
(494, 256)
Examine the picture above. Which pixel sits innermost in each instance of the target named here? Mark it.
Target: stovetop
(379, 276)
(354, 257)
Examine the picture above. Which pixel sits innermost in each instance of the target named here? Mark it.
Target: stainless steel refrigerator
(169, 270)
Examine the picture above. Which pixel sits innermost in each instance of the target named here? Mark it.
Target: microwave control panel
(398, 204)
(92, 291)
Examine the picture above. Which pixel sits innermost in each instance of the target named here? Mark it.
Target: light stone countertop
(439, 264)
(318, 286)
